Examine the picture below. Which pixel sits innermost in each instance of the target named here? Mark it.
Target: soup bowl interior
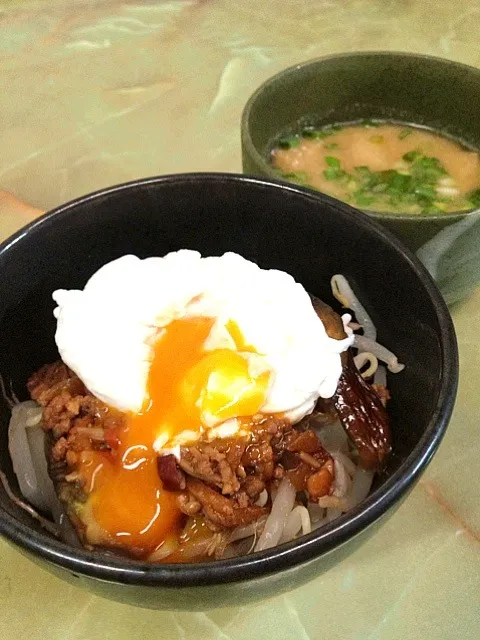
(390, 86)
(277, 226)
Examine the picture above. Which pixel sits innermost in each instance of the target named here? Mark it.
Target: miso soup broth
(382, 167)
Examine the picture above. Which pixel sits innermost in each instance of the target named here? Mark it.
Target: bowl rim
(249, 146)
(306, 548)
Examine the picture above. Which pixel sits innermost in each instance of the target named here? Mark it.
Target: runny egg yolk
(187, 387)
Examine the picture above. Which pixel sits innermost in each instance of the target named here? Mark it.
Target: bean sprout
(345, 295)
(361, 360)
(385, 355)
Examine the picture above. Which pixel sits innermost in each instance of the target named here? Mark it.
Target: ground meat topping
(51, 380)
(76, 420)
(237, 468)
(215, 463)
(222, 511)
(218, 481)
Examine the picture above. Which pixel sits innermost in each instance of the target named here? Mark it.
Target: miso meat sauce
(382, 167)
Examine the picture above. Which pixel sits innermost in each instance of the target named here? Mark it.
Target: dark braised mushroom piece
(363, 416)
(359, 407)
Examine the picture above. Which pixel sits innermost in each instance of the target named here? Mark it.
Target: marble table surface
(96, 92)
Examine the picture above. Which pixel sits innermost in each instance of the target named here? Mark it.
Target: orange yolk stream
(186, 386)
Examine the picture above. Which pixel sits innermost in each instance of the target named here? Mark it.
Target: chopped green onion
(370, 179)
(332, 161)
(474, 198)
(411, 156)
(300, 177)
(289, 142)
(334, 170)
(425, 191)
(363, 172)
(310, 133)
(429, 169)
(431, 208)
(330, 145)
(398, 183)
(362, 199)
(404, 133)
(334, 174)
(320, 134)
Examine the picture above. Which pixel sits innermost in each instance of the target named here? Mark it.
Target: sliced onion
(281, 508)
(167, 548)
(332, 514)
(298, 520)
(292, 526)
(30, 477)
(316, 513)
(36, 442)
(342, 481)
(362, 483)
(446, 181)
(333, 437)
(349, 465)
(46, 524)
(26, 443)
(241, 548)
(245, 531)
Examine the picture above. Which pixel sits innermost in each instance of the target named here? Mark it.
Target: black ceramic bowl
(276, 225)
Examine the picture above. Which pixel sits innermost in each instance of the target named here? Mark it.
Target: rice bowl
(317, 238)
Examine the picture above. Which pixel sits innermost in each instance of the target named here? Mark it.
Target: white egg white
(105, 332)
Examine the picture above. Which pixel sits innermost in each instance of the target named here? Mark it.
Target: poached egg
(188, 347)
(216, 338)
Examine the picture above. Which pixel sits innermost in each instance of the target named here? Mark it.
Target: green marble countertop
(96, 92)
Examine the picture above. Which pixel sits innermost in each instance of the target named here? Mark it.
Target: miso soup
(382, 167)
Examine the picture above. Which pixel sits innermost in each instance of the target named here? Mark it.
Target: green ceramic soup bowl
(423, 90)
